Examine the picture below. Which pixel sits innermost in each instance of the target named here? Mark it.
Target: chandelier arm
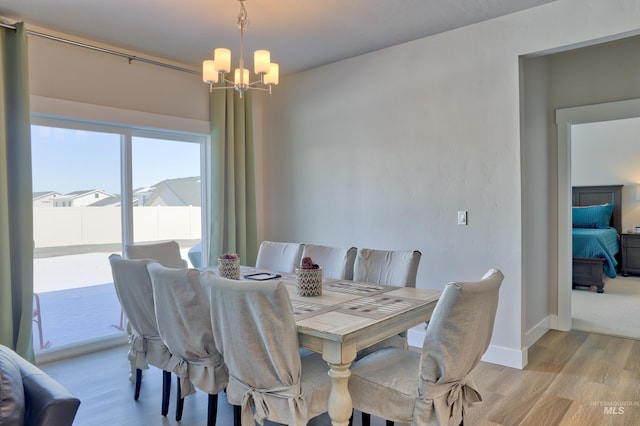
(264, 89)
(251, 85)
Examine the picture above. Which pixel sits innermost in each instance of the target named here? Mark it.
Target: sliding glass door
(97, 187)
(167, 191)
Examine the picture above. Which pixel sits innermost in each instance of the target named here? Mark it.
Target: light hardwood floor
(573, 378)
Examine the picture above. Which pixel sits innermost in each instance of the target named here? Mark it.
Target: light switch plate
(462, 217)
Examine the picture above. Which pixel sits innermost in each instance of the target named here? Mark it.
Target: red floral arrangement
(229, 256)
(307, 263)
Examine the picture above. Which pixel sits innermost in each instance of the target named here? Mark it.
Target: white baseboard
(495, 354)
(415, 338)
(508, 357)
(537, 331)
(553, 322)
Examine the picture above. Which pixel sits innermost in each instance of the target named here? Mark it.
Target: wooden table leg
(340, 405)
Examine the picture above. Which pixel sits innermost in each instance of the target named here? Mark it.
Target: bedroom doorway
(567, 120)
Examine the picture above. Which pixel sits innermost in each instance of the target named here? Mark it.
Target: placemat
(378, 306)
(303, 309)
(355, 287)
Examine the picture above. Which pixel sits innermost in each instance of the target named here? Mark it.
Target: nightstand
(630, 247)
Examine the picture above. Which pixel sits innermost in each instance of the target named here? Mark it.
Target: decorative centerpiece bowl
(309, 278)
(229, 266)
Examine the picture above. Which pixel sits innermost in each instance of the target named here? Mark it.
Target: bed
(596, 244)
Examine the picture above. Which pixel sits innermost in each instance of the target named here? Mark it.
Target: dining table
(346, 317)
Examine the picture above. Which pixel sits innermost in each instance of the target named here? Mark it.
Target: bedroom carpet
(616, 312)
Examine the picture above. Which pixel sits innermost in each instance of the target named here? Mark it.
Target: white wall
(536, 180)
(64, 72)
(381, 150)
(607, 153)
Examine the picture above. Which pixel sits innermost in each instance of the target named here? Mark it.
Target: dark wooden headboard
(594, 195)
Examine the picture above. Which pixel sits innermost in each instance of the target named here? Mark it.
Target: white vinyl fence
(73, 226)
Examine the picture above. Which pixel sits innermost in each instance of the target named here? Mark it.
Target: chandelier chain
(243, 18)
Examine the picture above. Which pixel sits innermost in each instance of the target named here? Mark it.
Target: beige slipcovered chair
(387, 267)
(336, 262)
(255, 331)
(167, 254)
(135, 293)
(432, 388)
(280, 257)
(182, 312)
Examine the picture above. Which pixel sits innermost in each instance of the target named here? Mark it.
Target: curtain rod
(103, 50)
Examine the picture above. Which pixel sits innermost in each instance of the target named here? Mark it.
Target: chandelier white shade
(218, 68)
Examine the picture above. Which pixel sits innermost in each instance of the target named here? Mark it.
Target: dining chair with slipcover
(432, 387)
(182, 313)
(387, 267)
(280, 257)
(255, 331)
(167, 253)
(135, 293)
(336, 262)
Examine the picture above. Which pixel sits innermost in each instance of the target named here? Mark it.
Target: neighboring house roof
(45, 198)
(176, 192)
(45, 194)
(82, 198)
(113, 201)
(79, 192)
(83, 193)
(169, 192)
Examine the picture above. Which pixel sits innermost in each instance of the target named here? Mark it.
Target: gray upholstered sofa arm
(46, 402)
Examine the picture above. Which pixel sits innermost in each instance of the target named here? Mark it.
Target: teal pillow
(592, 216)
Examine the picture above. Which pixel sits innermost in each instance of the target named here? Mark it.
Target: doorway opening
(565, 119)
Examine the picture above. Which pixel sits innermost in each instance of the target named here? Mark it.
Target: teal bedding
(598, 243)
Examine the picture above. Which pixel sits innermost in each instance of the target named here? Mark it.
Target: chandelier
(218, 68)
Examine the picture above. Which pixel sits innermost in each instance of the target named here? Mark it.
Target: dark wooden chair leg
(213, 410)
(236, 415)
(136, 394)
(179, 402)
(366, 419)
(166, 391)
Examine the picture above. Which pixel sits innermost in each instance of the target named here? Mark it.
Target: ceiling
(300, 34)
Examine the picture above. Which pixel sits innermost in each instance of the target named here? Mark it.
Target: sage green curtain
(232, 176)
(16, 199)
